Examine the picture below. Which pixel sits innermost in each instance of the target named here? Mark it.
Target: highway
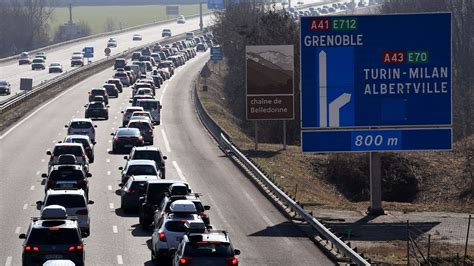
(256, 227)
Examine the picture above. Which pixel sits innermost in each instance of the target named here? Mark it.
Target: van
(120, 63)
(153, 106)
(189, 35)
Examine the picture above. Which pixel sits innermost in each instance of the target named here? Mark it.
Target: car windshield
(37, 60)
(134, 132)
(66, 175)
(141, 170)
(54, 236)
(67, 201)
(3, 82)
(208, 249)
(60, 150)
(84, 142)
(81, 124)
(98, 92)
(149, 105)
(176, 226)
(96, 105)
(140, 125)
(146, 155)
(119, 75)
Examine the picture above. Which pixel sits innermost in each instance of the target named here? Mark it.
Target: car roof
(68, 144)
(73, 166)
(134, 120)
(65, 192)
(128, 129)
(143, 177)
(81, 120)
(134, 107)
(141, 162)
(147, 148)
(77, 137)
(97, 89)
(148, 100)
(211, 236)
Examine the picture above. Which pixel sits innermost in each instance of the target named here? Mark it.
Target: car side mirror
(111, 134)
(88, 175)
(122, 112)
(161, 106)
(120, 185)
(130, 101)
(85, 105)
(125, 157)
(120, 168)
(95, 125)
(66, 126)
(207, 207)
(22, 236)
(90, 202)
(237, 251)
(48, 152)
(165, 157)
(39, 204)
(94, 142)
(108, 106)
(44, 175)
(60, 141)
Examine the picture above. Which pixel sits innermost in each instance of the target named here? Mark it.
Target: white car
(137, 37)
(74, 201)
(55, 68)
(181, 19)
(112, 43)
(127, 113)
(81, 126)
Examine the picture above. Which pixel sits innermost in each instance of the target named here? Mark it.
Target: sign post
(270, 89)
(376, 83)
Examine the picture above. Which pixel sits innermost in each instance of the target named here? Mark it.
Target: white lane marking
(108, 150)
(115, 118)
(17, 230)
(59, 134)
(264, 217)
(113, 123)
(110, 141)
(113, 128)
(108, 160)
(38, 172)
(119, 112)
(9, 261)
(32, 188)
(111, 205)
(167, 144)
(25, 206)
(115, 229)
(42, 160)
(108, 172)
(35, 112)
(163, 93)
(180, 173)
(78, 111)
(109, 187)
(218, 211)
(119, 259)
(53, 141)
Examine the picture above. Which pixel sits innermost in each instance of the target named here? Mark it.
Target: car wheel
(153, 258)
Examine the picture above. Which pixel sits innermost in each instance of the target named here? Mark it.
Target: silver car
(81, 126)
(74, 201)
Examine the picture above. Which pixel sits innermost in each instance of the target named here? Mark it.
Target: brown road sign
(270, 79)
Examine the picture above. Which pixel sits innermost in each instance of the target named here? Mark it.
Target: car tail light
(140, 138)
(150, 131)
(232, 261)
(162, 236)
(184, 261)
(116, 139)
(78, 248)
(82, 212)
(30, 248)
(83, 155)
(132, 191)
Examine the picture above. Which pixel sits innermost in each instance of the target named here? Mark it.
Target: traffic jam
(182, 232)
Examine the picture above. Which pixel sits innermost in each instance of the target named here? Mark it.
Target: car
(202, 47)
(168, 65)
(166, 33)
(38, 63)
(127, 113)
(24, 58)
(154, 192)
(144, 91)
(139, 167)
(5, 87)
(211, 247)
(55, 68)
(74, 149)
(141, 114)
(111, 90)
(52, 236)
(77, 60)
(169, 230)
(123, 77)
(136, 55)
(74, 201)
(99, 92)
(130, 192)
(180, 19)
(126, 138)
(135, 69)
(190, 35)
(86, 142)
(67, 177)
(154, 107)
(81, 126)
(120, 63)
(145, 127)
(117, 83)
(135, 99)
(112, 43)
(137, 37)
(97, 110)
(41, 55)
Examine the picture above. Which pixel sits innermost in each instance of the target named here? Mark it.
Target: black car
(131, 192)
(126, 138)
(154, 192)
(136, 55)
(149, 153)
(117, 83)
(120, 63)
(97, 110)
(5, 87)
(51, 237)
(67, 177)
(111, 89)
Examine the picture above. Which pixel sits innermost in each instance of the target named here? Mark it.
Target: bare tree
(109, 25)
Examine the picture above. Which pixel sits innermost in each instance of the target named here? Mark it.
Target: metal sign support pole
(256, 135)
(201, 24)
(375, 184)
(284, 134)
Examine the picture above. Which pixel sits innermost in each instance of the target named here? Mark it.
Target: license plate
(66, 185)
(128, 145)
(54, 256)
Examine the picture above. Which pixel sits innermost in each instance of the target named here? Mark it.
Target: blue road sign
(377, 140)
(376, 71)
(215, 4)
(88, 52)
(216, 53)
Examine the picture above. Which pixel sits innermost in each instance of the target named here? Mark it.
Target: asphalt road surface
(256, 227)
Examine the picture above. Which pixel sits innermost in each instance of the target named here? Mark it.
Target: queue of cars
(182, 232)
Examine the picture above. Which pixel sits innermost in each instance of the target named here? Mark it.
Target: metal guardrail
(226, 144)
(52, 46)
(21, 97)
